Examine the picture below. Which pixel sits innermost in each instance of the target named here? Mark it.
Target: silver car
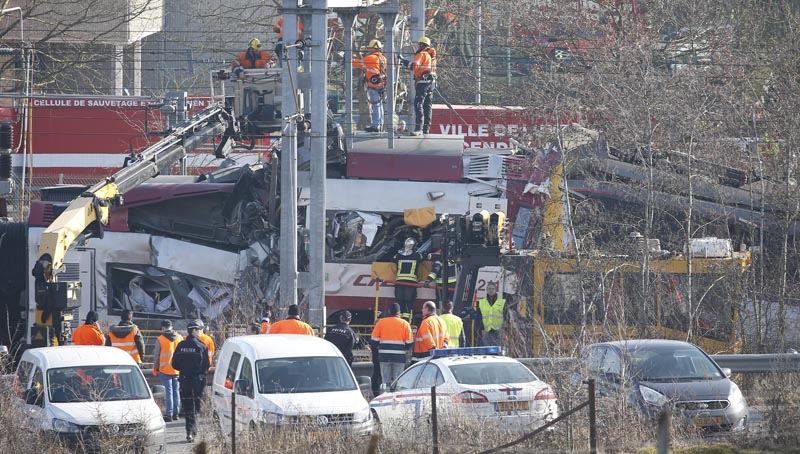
(654, 373)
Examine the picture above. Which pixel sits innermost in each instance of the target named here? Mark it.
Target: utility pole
(290, 110)
(319, 140)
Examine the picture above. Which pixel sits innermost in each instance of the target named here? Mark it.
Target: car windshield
(492, 373)
(672, 364)
(304, 375)
(96, 384)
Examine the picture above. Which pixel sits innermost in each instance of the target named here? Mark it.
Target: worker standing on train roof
(424, 67)
(374, 66)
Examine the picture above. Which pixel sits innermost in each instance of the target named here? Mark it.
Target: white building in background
(131, 47)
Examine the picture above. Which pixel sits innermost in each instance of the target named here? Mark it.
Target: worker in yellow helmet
(252, 58)
(374, 66)
(424, 67)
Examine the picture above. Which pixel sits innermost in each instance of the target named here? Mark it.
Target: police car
(474, 384)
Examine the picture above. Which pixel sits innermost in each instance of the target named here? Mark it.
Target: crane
(86, 216)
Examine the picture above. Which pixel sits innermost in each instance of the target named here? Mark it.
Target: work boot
(416, 133)
(371, 129)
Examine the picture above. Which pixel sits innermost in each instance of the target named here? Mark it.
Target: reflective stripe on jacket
(424, 63)
(432, 333)
(407, 266)
(492, 314)
(374, 65)
(165, 353)
(264, 327)
(127, 343)
(454, 327)
(206, 339)
(393, 336)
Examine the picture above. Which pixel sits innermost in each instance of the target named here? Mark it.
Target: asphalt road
(176, 436)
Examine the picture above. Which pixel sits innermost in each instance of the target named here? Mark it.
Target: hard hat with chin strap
(424, 40)
(255, 43)
(375, 44)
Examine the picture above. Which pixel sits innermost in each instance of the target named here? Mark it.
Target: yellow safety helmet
(375, 44)
(255, 43)
(424, 40)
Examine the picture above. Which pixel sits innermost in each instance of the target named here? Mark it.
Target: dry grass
(620, 428)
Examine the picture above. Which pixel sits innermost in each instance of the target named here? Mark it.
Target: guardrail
(741, 363)
(754, 363)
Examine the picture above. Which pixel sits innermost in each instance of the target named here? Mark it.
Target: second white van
(288, 381)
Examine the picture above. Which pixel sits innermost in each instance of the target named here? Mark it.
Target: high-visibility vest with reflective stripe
(127, 343)
(437, 272)
(264, 327)
(454, 327)
(407, 267)
(166, 350)
(424, 63)
(374, 66)
(492, 314)
(432, 333)
(393, 335)
(206, 339)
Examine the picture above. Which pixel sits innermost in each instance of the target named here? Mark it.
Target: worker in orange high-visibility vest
(126, 336)
(432, 332)
(279, 47)
(292, 324)
(163, 351)
(208, 340)
(374, 66)
(391, 338)
(89, 333)
(424, 67)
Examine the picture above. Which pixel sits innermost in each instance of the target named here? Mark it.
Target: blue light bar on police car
(465, 351)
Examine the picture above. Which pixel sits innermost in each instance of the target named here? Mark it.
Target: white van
(287, 381)
(90, 398)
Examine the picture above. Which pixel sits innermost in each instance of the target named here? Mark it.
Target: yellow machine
(86, 215)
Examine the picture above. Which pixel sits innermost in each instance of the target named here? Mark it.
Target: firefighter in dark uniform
(343, 337)
(436, 275)
(408, 261)
(191, 361)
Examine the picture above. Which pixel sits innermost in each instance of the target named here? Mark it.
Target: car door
(610, 377)
(400, 404)
(431, 376)
(223, 390)
(591, 360)
(245, 402)
(34, 405)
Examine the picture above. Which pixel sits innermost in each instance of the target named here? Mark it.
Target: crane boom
(88, 213)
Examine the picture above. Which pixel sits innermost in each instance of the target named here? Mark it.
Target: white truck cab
(288, 381)
(90, 398)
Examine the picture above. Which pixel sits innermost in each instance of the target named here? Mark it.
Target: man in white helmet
(374, 66)
(405, 289)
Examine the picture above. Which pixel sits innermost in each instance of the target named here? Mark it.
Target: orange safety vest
(393, 335)
(279, 28)
(374, 65)
(264, 327)
(432, 333)
(262, 59)
(127, 344)
(206, 339)
(166, 350)
(291, 326)
(424, 64)
(88, 335)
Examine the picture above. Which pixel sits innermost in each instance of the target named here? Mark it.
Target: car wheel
(376, 423)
